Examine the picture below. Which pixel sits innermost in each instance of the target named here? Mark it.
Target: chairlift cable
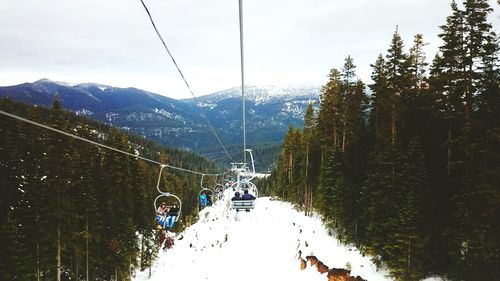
(99, 144)
(242, 80)
(183, 78)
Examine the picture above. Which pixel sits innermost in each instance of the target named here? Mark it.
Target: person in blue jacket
(247, 196)
(203, 200)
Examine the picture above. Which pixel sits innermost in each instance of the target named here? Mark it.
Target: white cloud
(286, 41)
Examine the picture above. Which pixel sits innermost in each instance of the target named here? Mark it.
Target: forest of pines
(409, 174)
(70, 210)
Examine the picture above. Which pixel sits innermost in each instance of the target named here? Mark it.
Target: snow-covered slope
(259, 245)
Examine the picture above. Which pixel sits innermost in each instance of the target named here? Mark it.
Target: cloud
(286, 41)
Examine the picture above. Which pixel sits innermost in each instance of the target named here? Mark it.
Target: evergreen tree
(13, 265)
(55, 208)
(380, 114)
(397, 81)
(417, 65)
(311, 161)
(329, 113)
(9, 176)
(329, 173)
(33, 172)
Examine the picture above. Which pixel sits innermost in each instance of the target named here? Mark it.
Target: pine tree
(86, 224)
(32, 151)
(13, 265)
(407, 239)
(329, 174)
(56, 211)
(417, 65)
(9, 183)
(462, 72)
(380, 114)
(397, 83)
(311, 161)
(329, 113)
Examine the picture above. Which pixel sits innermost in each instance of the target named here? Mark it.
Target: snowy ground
(259, 245)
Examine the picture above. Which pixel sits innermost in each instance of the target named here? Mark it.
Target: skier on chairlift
(203, 200)
(161, 213)
(247, 196)
(172, 216)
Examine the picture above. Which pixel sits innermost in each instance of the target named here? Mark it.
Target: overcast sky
(287, 42)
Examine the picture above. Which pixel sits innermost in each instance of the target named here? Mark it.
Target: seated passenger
(203, 200)
(174, 211)
(172, 216)
(209, 200)
(161, 213)
(247, 196)
(236, 196)
(163, 209)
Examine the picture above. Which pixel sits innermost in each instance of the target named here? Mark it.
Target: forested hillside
(265, 155)
(181, 123)
(411, 173)
(76, 210)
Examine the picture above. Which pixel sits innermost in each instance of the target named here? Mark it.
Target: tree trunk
(343, 136)
(393, 123)
(334, 131)
(449, 150)
(306, 200)
(306, 185)
(87, 250)
(37, 250)
(409, 255)
(37, 261)
(77, 267)
(310, 200)
(58, 253)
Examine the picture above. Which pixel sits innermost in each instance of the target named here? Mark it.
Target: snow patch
(262, 244)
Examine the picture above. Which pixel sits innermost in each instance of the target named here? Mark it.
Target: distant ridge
(178, 123)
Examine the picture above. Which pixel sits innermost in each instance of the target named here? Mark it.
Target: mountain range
(179, 123)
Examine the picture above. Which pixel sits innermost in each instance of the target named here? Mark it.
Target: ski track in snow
(261, 244)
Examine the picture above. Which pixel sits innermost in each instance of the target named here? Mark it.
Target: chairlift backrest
(242, 204)
(167, 196)
(169, 203)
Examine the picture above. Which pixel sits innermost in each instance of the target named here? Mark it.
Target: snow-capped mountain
(262, 95)
(269, 110)
(178, 123)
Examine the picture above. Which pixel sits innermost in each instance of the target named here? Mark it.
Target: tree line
(409, 173)
(70, 210)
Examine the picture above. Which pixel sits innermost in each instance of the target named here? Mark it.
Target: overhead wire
(183, 78)
(101, 145)
(242, 80)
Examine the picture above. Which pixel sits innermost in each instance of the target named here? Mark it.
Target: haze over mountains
(179, 123)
